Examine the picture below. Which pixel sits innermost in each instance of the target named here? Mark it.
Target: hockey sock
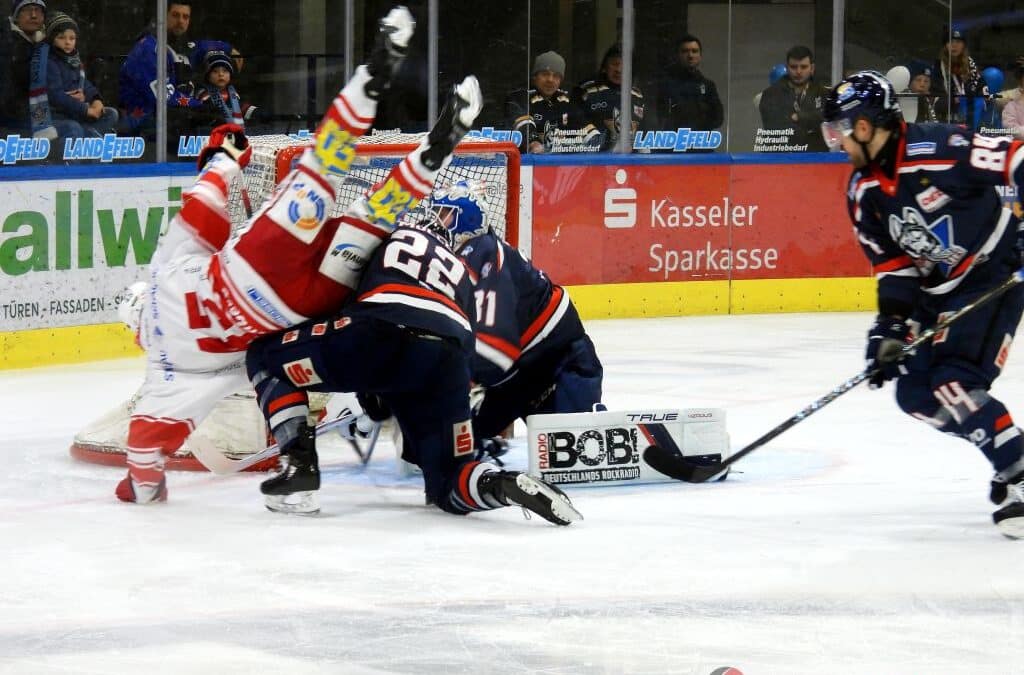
(150, 440)
(350, 115)
(284, 407)
(466, 496)
(984, 421)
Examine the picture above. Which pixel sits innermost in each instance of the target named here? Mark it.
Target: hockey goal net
(235, 426)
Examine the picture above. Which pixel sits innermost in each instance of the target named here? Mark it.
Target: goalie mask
(461, 208)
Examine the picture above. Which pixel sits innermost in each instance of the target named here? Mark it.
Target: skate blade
(297, 503)
(562, 511)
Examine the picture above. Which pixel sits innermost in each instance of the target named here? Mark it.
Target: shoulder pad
(637, 92)
(562, 96)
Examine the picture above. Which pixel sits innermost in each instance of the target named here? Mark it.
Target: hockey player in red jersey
(208, 297)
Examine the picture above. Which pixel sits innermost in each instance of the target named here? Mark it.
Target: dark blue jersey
(414, 280)
(521, 317)
(935, 226)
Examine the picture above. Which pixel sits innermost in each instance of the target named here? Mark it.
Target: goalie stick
(674, 465)
(221, 464)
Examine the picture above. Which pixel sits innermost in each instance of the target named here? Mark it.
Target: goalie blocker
(600, 448)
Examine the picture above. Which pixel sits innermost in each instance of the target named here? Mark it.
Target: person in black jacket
(546, 116)
(20, 39)
(601, 98)
(686, 98)
(795, 101)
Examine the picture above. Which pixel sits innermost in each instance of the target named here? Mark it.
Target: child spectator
(76, 105)
(220, 94)
(928, 109)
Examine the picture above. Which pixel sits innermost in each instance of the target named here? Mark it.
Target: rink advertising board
(670, 223)
(68, 249)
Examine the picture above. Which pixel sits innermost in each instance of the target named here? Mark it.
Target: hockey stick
(219, 463)
(674, 465)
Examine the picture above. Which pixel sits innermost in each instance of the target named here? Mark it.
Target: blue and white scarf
(38, 101)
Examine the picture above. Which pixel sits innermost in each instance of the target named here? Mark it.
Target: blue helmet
(462, 208)
(866, 95)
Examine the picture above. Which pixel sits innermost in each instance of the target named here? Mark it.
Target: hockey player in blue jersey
(532, 354)
(408, 339)
(926, 211)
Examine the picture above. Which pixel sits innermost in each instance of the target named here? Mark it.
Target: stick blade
(674, 465)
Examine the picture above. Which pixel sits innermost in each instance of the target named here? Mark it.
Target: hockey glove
(229, 139)
(886, 340)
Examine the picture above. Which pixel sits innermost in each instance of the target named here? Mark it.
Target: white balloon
(900, 78)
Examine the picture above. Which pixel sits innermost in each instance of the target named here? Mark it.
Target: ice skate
(396, 29)
(533, 494)
(130, 491)
(294, 489)
(1008, 493)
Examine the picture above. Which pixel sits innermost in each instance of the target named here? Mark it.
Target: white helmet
(130, 309)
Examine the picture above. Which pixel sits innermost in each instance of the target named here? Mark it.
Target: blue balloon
(993, 78)
(777, 72)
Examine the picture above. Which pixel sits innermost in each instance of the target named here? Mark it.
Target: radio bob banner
(607, 447)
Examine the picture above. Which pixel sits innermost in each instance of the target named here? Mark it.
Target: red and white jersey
(290, 262)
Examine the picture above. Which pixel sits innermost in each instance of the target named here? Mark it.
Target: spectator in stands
(220, 95)
(686, 98)
(1013, 112)
(928, 109)
(22, 60)
(959, 78)
(75, 103)
(794, 102)
(601, 98)
(545, 115)
(186, 113)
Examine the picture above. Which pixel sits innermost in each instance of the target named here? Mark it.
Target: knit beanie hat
(16, 5)
(58, 23)
(549, 61)
(217, 58)
(919, 67)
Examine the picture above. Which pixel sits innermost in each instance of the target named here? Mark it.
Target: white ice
(860, 541)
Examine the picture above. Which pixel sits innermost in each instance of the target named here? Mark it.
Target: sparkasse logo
(620, 204)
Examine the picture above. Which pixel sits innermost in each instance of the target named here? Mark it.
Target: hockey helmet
(461, 207)
(866, 95)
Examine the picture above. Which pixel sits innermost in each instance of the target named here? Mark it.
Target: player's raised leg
(352, 112)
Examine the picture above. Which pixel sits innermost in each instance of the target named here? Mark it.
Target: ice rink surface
(860, 541)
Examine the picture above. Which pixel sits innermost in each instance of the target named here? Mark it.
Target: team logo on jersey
(932, 199)
(927, 243)
(462, 432)
(301, 373)
(306, 209)
(341, 323)
(958, 141)
(290, 336)
(319, 328)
